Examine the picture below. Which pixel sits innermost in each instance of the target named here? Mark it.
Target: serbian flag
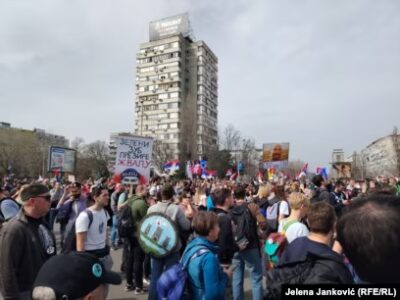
(212, 173)
(171, 165)
(197, 169)
(323, 172)
(233, 176)
(303, 171)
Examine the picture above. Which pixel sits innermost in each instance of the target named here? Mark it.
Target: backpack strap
(287, 225)
(198, 253)
(90, 215)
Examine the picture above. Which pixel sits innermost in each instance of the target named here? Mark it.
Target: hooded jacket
(206, 280)
(314, 266)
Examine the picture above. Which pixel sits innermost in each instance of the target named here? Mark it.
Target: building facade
(382, 156)
(177, 90)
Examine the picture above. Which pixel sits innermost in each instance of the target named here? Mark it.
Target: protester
(206, 278)
(25, 244)
(292, 226)
(91, 232)
(311, 260)
(8, 207)
(369, 235)
(246, 219)
(74, 275)
(119, 189)
(134, 254)
(71, 204)
(322, 193)
(174, 212)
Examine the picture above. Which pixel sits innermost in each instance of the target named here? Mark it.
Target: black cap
(74, 275)
(33, 190)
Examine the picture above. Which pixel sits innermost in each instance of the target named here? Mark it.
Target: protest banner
(276, 155)
(133, 159)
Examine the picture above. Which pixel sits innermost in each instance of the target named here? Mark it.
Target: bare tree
(249, 156)
(160, 155)
(78, 144)
(21, 150)
(231, 138)
(294, 167)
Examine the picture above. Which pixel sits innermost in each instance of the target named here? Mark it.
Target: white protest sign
(133, 159)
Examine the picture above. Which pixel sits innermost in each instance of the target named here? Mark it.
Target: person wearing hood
(206, 279)
(310, 259)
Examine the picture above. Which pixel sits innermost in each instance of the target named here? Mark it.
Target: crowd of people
(284, 232)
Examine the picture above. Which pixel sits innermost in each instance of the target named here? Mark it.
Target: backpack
(276, 244)
(244, 223)
(64, 214)
(2, 218)
(172, 283)
(272, 214)
(70, 239)
(126, 226)
(158, 235)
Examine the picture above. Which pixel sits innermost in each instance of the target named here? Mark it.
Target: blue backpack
(172, 283)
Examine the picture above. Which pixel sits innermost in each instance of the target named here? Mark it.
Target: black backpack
(70, 239)
(244, 224)
(126, 226)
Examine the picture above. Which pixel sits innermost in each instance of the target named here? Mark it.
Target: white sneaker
(146, 282)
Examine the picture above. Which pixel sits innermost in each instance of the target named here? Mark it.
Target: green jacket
(139, 210)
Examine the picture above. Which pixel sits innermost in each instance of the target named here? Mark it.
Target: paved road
(117, 292)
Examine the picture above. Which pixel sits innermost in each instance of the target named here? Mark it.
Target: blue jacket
(206, 280)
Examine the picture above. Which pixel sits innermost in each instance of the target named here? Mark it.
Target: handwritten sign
(133, 159)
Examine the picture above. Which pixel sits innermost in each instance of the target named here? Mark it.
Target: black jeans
(134, 262)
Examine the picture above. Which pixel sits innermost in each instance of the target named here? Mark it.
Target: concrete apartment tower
(177, 90)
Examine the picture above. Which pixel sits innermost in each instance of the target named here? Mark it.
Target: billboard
(276, 155)
(133, 159)
(343, 169)
(169, 26)
(62, 159)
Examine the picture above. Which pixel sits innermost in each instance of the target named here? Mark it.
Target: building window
(163, 96)
(173, 115)
(174, 95)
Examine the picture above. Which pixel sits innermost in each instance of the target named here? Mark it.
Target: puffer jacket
(206, 280)
(313, 269)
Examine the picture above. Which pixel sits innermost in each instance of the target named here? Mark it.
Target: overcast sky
(318, 74)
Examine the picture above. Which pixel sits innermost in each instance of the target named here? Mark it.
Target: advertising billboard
(61, 159)
(169, 26)
(343, 169)
(276, 155)
(133, 159)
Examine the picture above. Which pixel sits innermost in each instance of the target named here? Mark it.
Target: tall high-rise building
(177, 90)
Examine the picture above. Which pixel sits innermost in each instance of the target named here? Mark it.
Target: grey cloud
(319, 74)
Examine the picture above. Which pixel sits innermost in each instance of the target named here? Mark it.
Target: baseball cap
(74, 275)
(33, 190)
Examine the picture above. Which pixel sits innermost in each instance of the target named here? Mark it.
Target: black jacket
(25, 244)
(313, 269)
(226, 240)
(238, 212)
